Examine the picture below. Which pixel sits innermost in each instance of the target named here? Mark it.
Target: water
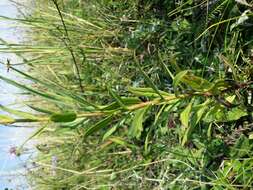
(12, 168)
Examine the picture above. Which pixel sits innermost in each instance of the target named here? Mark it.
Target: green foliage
(98, 126)
(137, 124)
(63, 117)
(165, 99)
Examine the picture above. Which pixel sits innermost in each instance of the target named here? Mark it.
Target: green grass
(139, 94)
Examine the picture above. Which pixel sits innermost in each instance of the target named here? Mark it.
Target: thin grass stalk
(69, 46)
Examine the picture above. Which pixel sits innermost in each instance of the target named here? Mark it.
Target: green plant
(162, 93)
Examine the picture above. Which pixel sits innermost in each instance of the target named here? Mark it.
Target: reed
(138, 94)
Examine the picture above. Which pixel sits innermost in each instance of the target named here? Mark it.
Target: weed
(162, 100)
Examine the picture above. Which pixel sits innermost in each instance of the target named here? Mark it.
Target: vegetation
(139, 94)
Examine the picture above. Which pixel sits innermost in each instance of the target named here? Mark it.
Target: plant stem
(69, 46)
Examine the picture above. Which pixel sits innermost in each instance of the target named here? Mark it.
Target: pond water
(12, 168)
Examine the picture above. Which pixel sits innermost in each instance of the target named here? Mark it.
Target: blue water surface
(12, 168)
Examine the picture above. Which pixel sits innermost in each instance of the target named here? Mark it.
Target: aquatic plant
(139, 94)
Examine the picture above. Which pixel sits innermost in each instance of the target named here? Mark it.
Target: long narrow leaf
(98, 126)
(148, 80)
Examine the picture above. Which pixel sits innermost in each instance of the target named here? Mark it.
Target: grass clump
(140, 94)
